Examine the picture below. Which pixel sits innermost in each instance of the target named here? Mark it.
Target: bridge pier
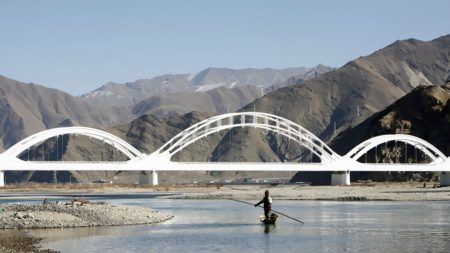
(154, 177)
(2, 178)
(340, 178)
(444, 179)
(148, 177)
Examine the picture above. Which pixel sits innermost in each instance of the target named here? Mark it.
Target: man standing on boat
(267, 204)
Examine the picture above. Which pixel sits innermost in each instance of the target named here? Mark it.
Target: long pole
(285, 215)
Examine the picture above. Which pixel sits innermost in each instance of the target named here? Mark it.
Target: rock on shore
(53, 215)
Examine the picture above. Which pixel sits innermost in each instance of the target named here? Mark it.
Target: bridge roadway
(160, 160)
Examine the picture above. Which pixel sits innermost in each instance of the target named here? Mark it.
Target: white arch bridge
(397, 152)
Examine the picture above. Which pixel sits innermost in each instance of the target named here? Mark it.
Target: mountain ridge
(30, 108)
(204, 80)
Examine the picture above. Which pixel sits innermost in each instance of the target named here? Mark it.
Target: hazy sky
(77, 46)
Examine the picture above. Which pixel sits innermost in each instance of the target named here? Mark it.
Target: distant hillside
(349, 95)
(121, 99)
(298, 79)
(218, 100)
(370, 83)
(114, 94)
(29, 108)
(426, 111)
(119, 95)
(447, 78)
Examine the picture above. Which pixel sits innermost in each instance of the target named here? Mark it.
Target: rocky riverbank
(408, 191)
(75, 214)
(375, 192)
(17, 241)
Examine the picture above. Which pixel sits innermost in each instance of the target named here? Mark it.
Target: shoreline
(323, 193)
(357, 192)
(16, 219)
(76, 214)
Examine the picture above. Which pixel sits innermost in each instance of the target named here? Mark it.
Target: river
(227, 226)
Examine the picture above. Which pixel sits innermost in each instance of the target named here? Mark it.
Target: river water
(227, 226)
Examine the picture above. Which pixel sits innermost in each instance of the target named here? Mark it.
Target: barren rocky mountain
(156, 95)
(29, 108)
(217, 77)
(213, 94)
(425, 113)
(218, 100)
(130, 93)
(447, 78)
(118, 95)
(370, 83)
(345, 97)
(312, 73)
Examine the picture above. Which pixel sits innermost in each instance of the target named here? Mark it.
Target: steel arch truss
(38, 138)
(435, 155)
(260, 120)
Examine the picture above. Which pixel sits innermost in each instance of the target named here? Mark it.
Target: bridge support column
(340, 178)
(147, 177)
(444, 179)
(154, 177)
(2, 178)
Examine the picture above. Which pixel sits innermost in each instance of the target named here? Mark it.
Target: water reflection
(269, 228)
(224, 226)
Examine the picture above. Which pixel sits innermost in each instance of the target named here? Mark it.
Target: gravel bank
(52, 215)
(413, 191)
(379, 192)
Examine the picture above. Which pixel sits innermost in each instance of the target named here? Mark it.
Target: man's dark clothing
(267, 205)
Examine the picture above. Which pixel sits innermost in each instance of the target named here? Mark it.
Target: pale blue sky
(77, 46)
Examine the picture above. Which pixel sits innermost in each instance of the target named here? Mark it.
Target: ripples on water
(226, 226)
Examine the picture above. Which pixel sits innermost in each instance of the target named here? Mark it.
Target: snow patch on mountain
(209, 86)
(101, 93)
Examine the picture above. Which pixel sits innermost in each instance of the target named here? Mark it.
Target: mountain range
(28, 108)
(207, 90)
(114, 94)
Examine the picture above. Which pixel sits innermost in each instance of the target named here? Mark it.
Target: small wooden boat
(271, 221)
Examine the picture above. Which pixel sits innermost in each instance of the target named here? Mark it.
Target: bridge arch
(35, 139)
(435, 155)
(260, 120)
